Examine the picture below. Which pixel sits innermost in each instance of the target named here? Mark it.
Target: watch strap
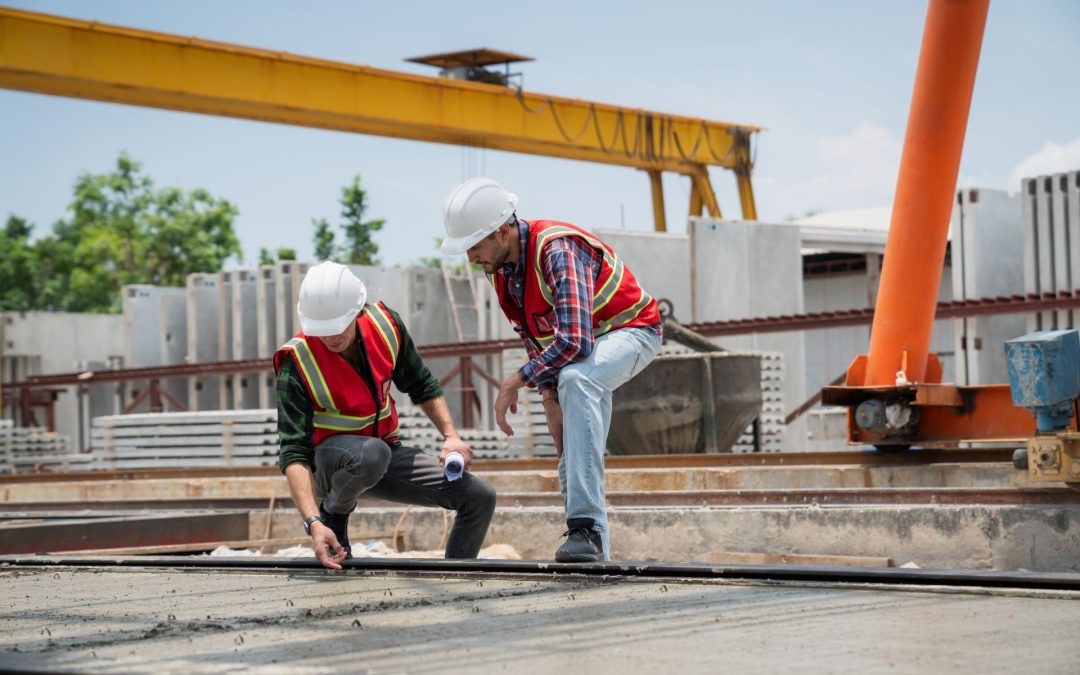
(309, 521)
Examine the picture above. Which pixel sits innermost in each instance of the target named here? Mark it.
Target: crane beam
(83, 59)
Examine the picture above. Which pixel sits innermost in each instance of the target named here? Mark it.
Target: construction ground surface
(824, 562)
(150, 620)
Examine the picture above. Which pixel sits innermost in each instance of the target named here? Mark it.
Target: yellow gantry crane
(85, 59)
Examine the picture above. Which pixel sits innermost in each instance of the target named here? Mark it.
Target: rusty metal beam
(1015, 304)
(615, 462)
(100, 533)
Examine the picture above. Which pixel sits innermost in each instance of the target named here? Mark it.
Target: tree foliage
(324, 239)
(120, 230)
(268, 257)
(359, 247)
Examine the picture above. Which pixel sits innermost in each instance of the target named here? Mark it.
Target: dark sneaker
(339, 525)
(582, 543)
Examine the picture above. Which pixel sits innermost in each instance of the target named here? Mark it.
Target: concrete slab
(143, 621)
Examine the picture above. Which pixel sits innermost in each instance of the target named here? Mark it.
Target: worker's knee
(573, 379)
(480, 496)
(370, 458)
(354, 455)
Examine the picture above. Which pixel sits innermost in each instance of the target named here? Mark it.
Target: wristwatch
(309, 521)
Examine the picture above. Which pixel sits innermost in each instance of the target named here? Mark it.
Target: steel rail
(1042, 496)
(612, 570)
(768, 324)
(854, 457)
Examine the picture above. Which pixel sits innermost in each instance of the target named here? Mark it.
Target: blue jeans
(585, 390)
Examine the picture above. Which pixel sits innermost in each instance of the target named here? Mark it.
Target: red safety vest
(343, 401)
(618, 300)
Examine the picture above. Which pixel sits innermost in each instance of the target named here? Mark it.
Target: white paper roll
(454, 466)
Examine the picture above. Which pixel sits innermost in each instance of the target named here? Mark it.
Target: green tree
(266, 257)
(324, 239)
(18, 290)
(121, 230)
(360, 247)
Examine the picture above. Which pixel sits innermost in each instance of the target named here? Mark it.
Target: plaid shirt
(570, 267)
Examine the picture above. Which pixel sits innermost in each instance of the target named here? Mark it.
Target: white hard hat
(330, 298)
(472, 211)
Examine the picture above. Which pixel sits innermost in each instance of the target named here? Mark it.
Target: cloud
(1051, 158)
(856, 170)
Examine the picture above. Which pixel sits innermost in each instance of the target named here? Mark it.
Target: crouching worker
(337, 423)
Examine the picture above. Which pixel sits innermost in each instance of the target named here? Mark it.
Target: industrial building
(845, 457)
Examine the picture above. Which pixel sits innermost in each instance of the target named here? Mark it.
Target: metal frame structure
(899, 380)
(86, 59)
(28, 396)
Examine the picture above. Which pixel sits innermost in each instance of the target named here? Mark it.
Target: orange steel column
(915, 250)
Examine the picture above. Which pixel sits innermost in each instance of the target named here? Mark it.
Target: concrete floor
(135, 621)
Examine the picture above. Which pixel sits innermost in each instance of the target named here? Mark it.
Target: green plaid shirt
(295, 409)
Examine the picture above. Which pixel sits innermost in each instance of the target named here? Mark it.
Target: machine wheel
(1020, 459)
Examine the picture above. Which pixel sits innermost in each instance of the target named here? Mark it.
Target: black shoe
(339, 525)
(582, 543)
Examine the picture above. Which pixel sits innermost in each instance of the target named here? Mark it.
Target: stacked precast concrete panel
(745, 269)
(665, 265)
(44, 343)
(203, 338)
(155, 334)
(243, 331)
(265, 326)
(1052, 243)
(987, 231)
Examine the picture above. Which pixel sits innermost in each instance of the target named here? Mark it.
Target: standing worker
(588, 328)
(338, 424)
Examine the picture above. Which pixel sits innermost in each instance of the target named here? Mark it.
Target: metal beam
(768, 324)
(82, 59)
(96, 533)
(543, 569)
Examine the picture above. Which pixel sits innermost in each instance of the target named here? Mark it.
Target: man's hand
(327, 549)
(553, 412)
(507, 400)
(455, 444)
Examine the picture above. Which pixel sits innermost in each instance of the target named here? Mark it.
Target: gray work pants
(348, 466)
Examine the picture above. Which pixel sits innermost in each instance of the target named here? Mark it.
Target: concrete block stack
(771, 427)
(1051, 206)
(987, 230)
(183, 440)
(33, 450)
(417, 431)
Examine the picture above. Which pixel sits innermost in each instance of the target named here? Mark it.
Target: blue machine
(1044, 377)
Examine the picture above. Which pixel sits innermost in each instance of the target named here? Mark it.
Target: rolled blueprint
(454, 466)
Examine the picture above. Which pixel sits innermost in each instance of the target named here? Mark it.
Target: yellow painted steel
(659, 217)
(67, 57)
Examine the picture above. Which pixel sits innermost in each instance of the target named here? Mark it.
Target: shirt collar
(510, 269)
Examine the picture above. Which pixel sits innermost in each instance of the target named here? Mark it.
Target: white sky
(831, 80)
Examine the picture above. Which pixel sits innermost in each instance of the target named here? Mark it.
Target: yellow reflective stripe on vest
(385, 325)
(337, 422)
(624, 316)
(602, 295)
(312, 374)
(605, 293)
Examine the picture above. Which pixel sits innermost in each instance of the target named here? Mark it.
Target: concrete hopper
(686, 403)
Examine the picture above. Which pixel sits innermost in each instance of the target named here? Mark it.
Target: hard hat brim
(463, 244)
(327, 327)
